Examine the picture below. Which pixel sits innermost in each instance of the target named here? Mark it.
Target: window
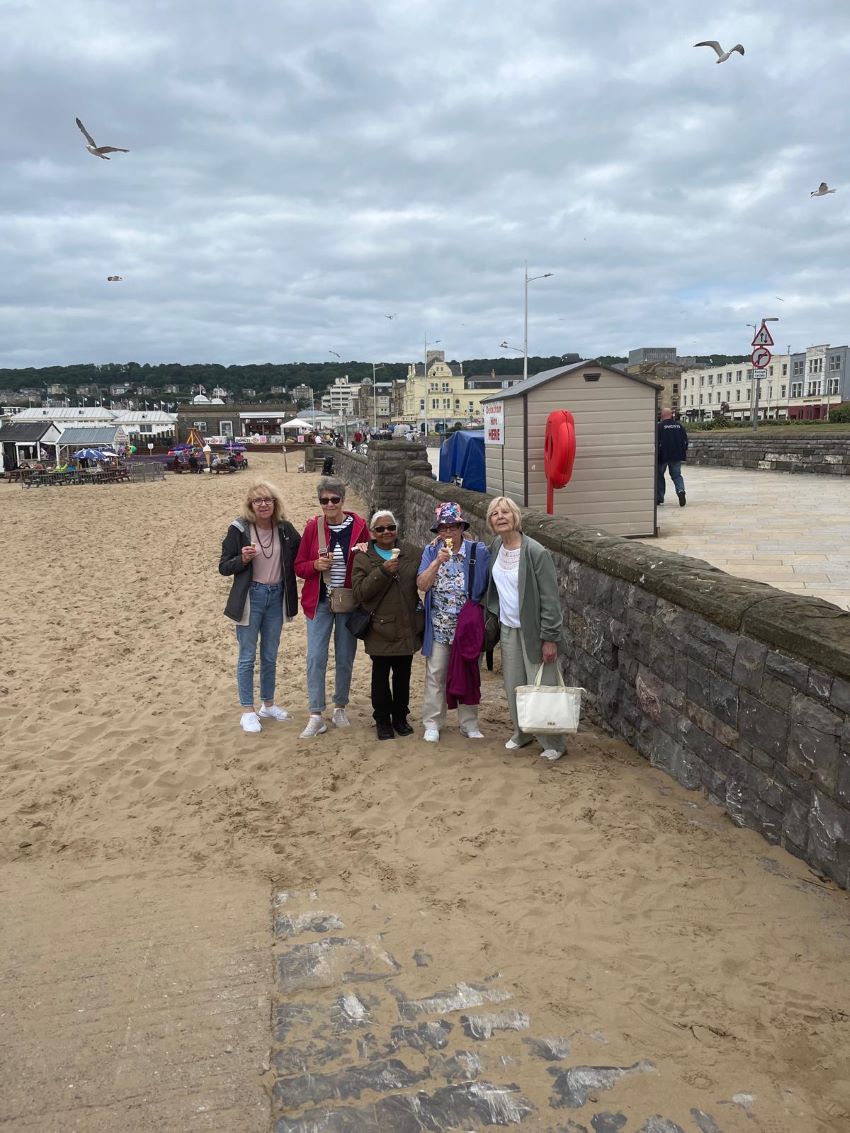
(783, 388)
(146, 428)
(711, 379)
(421, 402)
(226, 428)
(784, 369)
(202, 425)
(832, 385)
(749, 374)
(700, 399)
(796, 388)
(457, 403)
(835, 361)
(710, 396)
(813, 388)
(737, 395)
(737, 375)
(702, 379)
(447, 403)
(435, 403)
(770, 370)
(798, 367)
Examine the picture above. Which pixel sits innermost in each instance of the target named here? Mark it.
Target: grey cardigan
(539, 601)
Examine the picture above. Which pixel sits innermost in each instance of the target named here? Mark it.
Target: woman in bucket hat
(444, 578)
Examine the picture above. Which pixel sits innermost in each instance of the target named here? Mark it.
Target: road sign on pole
(760, 357)
(763, 336)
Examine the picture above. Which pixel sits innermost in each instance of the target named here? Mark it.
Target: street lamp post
(754, 400)
(528, 279)
(379, 366)
(425, 381)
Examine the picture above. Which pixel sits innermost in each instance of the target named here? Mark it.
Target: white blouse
(506, 578)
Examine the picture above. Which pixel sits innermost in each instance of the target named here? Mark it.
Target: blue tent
(462, 459)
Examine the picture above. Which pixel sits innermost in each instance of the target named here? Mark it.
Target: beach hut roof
(90, 437)
(25, 432)
(545, 376)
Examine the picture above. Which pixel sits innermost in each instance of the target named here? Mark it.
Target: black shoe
(384, 729)
(682, 500)
(402, 728)
(659, 502)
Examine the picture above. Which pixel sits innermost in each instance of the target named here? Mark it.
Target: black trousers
(391, 704)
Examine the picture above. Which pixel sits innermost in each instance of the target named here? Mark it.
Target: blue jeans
(265, 624)
(319, 629)
(675, 467)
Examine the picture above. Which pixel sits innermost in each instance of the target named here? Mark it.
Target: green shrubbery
(840, 413)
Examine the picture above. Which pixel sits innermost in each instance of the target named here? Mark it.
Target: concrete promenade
(791, 531)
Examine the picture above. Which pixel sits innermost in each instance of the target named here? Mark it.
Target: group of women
(406, 599)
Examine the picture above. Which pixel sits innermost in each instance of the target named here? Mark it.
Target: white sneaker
(340, 719)
(472, 734)
(272, 712)
(315, 727)
(432, 736)
(250, 722)
(551, 754)
(512, 745)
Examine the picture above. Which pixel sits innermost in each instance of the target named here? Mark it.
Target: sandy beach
(613, 907)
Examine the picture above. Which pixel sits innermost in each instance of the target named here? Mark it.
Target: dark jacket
(239, 536)
(463, 676)
(393, 598)
(672, 442)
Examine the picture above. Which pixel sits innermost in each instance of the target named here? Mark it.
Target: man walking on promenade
(672, 452)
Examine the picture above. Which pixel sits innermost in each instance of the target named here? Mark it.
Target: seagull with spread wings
(722, 55)
(94, 149)
(821, 190)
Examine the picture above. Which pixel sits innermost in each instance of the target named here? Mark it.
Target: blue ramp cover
(462, 460)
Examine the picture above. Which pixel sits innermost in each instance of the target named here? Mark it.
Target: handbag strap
(323, 542)
(539, 676)
(471, 580)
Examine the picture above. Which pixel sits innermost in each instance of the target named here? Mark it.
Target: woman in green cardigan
(523, 594)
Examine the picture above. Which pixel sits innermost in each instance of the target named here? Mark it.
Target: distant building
(340, 397)
(650, 354)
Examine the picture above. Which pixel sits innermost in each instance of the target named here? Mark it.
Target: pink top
(267, 562)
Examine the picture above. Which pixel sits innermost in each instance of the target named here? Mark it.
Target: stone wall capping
(804, 627)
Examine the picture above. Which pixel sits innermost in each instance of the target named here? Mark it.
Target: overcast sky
(299, 170)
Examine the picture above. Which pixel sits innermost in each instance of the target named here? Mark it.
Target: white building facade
(801, 386)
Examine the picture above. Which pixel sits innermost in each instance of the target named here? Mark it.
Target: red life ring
(559, 447)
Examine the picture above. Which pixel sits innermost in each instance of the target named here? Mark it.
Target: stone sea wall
(826, 455)
(730, 686)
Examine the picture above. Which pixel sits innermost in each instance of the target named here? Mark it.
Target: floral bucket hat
(446, 515)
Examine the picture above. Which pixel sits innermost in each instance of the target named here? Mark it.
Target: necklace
(265, 548)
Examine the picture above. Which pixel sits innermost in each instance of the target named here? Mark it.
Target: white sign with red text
(494, 423)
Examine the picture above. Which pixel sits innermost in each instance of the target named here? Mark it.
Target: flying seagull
(389, 316)
(94, 149)
(722, 55)
(822, 190)
(114, 278)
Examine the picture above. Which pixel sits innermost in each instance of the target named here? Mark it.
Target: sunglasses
(388, 527)
(325, 500)
(262, 500)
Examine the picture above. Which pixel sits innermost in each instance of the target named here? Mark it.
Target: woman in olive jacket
(384, 582)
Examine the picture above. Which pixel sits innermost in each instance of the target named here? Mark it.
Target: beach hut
(612, 486)
(25, 440)
(95, 436)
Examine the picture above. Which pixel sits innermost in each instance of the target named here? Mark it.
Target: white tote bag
(548, 709)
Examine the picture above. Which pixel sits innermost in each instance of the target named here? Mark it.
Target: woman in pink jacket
(337, 532)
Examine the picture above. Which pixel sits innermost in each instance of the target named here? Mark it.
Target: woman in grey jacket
(259, 552)
(523, 594)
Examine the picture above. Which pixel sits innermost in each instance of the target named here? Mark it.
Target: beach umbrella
(88, 454)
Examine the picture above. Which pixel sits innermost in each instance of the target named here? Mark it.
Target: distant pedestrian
(672, 453)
